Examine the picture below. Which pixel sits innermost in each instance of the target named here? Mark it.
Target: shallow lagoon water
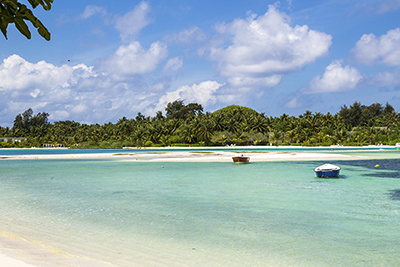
(205, 213)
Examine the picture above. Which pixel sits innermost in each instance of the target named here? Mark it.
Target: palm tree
(259, 124)
(275, 137)
(164, 140)
(204, 131)
(186, 133)
(218, 122)
(291, 135)
(139, 136)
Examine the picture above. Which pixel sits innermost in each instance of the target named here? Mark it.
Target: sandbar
(218, 155)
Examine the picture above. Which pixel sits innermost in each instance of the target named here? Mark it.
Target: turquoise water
(206, 214)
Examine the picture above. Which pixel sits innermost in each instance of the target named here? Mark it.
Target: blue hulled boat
(327, 170)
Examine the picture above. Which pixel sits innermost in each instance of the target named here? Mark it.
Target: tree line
(185, 125)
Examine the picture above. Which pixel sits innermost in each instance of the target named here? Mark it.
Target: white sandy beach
(193, 156)
(18, 252)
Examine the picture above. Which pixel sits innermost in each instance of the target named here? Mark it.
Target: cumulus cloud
(115, 86)
(335, 79)
(69, 92)
(202, 93)
(133, 59)
(38, 85)
(132, 22)
(265, 47)
(18, 74)
(384, 49)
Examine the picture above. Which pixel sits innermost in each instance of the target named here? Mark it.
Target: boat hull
(327, 170)
(241, 159)
(327, 174)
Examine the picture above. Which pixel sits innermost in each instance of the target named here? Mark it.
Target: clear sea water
(131, 213)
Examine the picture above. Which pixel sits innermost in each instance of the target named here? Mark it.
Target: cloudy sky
(109, 59)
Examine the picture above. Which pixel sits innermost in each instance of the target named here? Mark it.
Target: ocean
(138, 213)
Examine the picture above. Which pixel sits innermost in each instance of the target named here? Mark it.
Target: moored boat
(327, 170)
(240, 159)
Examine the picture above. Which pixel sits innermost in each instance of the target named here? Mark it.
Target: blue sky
(109, 59)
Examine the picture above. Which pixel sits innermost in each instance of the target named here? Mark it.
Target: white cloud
(386, 78)
(174, 64)
(18, 74)
(385, 49)
(388, 6)
(187, 36)
(133, 59)
(70, 92)
(92, 10)
(132, 22)
(119, 85)
(35, 93)
(265, 46)
(294, 103)
(335, 79)
(269, 81)
(59, 115)
(202, 93)
(377, 6)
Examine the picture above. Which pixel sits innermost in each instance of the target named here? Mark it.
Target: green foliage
(12, 11)
(27, 124)
(178, 110)
(236, 108)
(233, 125)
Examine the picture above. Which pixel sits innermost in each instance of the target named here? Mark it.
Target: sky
(112, 59)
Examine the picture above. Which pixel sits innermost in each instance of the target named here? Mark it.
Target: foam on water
(206, 214)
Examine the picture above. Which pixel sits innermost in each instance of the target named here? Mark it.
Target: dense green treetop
(178, 110)
(188, 125)
(236, 109)
(14, 12)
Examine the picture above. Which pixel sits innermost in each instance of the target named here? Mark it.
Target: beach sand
(194, 156)
(18, 252)
(15, 251)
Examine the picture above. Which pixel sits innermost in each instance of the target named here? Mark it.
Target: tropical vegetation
(14, 12)
(189, 125)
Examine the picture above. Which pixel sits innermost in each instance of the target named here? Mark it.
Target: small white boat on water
(240, 158)
(327, 170)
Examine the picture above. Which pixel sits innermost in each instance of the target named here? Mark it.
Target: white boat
(240, 158)
(327, 170)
